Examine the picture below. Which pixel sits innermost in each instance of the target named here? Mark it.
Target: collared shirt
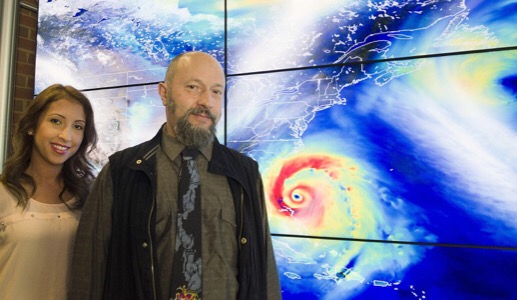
(219, 247)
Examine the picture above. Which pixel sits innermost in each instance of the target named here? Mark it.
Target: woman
(43, 186)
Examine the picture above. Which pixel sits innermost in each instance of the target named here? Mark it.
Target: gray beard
(189, 135)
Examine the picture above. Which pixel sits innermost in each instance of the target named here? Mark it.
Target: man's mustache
(202, 110)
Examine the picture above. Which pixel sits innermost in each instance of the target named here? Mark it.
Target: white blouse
(36, 245)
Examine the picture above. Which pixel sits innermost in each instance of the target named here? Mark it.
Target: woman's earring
(30, 132)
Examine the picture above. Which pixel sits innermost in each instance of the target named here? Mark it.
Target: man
(132, 234)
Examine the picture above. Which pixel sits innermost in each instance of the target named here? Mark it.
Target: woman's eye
(79, 127)
(55, 121)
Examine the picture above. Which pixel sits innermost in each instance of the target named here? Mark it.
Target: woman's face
(59, 133)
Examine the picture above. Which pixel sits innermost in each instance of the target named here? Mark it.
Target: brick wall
(26, 57)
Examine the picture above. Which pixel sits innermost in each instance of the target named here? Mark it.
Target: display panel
(318, 269)
(125, 117)
(91, 44)
(416, 151)
(287, 34)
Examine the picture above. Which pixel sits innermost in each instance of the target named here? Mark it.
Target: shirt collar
(173, 148)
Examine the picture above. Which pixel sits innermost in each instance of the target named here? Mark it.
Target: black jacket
(132, 255)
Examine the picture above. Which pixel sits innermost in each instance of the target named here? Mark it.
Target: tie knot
(189, 153)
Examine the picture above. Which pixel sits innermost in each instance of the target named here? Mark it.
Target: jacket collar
(146, 152)
(219, 164)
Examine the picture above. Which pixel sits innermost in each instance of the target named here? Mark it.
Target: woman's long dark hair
(77, 172)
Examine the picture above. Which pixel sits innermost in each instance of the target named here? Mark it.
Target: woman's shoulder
(8, 203)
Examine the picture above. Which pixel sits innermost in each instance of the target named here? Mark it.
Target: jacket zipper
(151, 242)
(242, 219)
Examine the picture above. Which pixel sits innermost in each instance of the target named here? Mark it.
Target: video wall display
(385, 131)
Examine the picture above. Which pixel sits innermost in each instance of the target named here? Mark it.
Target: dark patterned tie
(187, 258)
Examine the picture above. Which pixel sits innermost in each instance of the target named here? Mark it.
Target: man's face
(194, 99)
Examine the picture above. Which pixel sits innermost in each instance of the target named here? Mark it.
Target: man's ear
(162, 90)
